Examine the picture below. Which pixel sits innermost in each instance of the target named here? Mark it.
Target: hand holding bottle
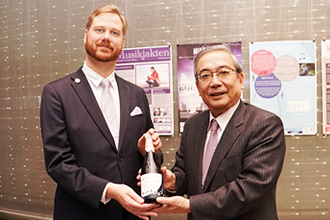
(169, 179)
(155, 140)
(131, 201)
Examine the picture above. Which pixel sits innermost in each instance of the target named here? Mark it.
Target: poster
(151, 69)
(189, 101)
(283, 80)
(326, 85)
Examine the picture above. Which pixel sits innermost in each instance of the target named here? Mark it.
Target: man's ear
(122, 46)
(85, 36)
(241, 79)
(197, 85)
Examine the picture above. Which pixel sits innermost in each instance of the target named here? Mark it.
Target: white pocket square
(136, 111)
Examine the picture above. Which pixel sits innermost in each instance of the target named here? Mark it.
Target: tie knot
(214, 125)
(105, 83)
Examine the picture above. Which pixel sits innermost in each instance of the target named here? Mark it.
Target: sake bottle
(152, 185)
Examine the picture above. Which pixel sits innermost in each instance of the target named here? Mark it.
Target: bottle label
(150, 184)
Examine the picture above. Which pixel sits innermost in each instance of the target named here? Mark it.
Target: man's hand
(155, 140)
(131, 201)
(169, 179)
(175, 204)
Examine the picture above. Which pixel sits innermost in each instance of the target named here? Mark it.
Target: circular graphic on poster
(287, 68)
(267, 86)
(263, 62)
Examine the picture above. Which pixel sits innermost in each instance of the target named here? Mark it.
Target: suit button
(120, 159)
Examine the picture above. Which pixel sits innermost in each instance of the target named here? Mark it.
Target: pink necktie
(210, 148)
(108, 108)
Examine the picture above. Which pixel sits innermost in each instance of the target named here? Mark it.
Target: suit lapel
(124, 109)
(230, 134)
(85, 93)
(201, 132)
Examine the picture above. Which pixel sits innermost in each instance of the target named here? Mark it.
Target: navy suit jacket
(80, 154)
(241, 181)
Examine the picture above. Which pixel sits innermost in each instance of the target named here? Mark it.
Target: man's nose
(106, 36)
(215, 80)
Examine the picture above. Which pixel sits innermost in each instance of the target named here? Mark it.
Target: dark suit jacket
(243, 173)
(80, 154)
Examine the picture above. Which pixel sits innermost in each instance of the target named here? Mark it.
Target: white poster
(326, 85)
(283, 81)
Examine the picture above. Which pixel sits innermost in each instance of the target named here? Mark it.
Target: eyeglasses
(221, 73)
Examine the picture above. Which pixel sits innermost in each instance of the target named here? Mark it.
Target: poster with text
(189, 101)
(326, 85)
(283, 81)
(151, 69)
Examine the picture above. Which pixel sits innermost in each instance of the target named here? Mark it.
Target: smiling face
(104, 40)
(219, 94)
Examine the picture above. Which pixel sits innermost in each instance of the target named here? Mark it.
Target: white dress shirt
(222, 120)
(94, 80)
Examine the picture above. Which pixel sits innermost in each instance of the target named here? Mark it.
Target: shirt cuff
(105, 199)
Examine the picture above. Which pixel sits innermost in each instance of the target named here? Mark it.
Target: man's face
(219, 94)
(104, 40)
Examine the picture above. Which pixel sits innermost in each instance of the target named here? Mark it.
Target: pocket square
(136, 111)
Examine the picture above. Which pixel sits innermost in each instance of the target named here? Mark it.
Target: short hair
(221, 47)
(107, 9)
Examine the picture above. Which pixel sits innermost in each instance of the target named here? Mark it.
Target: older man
(230, 156)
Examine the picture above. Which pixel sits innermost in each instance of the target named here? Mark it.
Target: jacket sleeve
(179, 169)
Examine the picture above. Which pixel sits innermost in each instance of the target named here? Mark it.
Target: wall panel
(42, 40)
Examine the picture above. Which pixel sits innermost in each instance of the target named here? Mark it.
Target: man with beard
(93, 124)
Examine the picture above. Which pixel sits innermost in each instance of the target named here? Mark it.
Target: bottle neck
(150, 149)
(149, 145)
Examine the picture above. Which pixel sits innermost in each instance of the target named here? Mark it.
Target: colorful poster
(189, 101)
(151, 69)
(326, 85)
(283, 81)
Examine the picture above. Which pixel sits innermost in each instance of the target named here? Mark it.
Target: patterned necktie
(210, 148)
(109, 112)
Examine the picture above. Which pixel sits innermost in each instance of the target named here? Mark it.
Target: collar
(96, 78)
(224, 118)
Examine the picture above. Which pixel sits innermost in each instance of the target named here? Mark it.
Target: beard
(102, 54)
